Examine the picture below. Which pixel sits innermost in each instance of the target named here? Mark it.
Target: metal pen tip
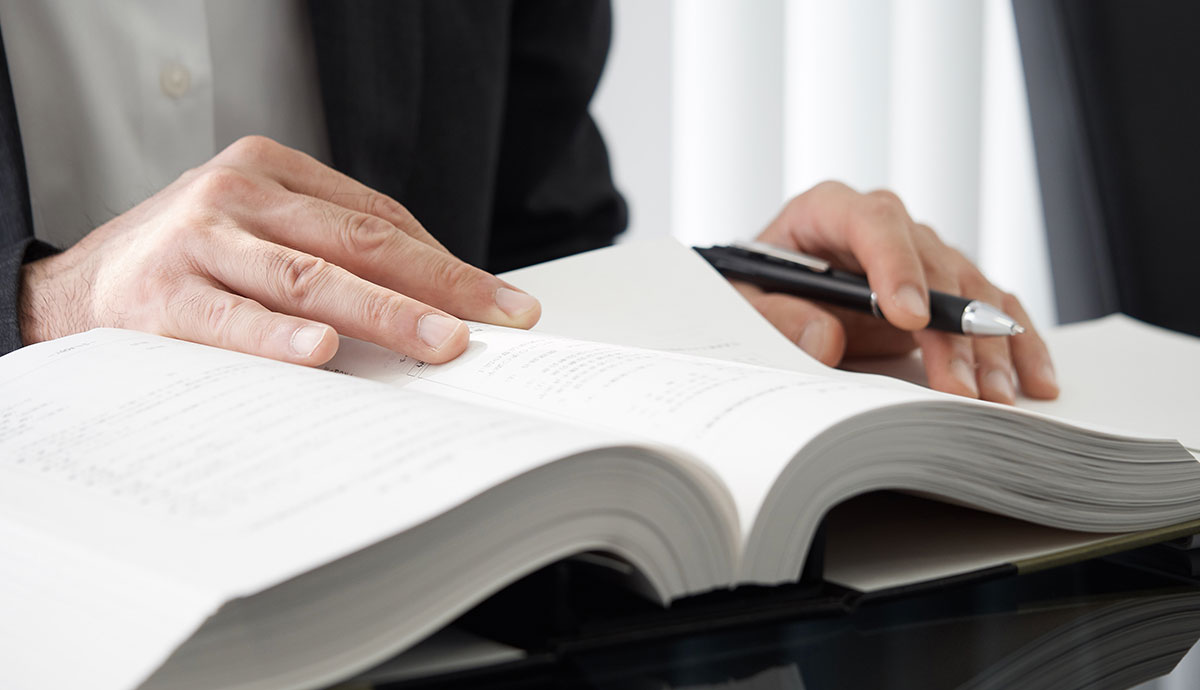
(981, 318)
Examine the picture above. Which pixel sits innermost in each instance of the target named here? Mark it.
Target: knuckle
(217, 184)
(218, 316)
(364, 234)
(301, 275)
(172, 249)
(383, 308)
(453, 276)
(223, 320)
(885, 209)
(385, 206)
(830, 187)
(189, 175)
(928, 233)
(180, 308)
(887, 196)
(821, 190)
(252, 149)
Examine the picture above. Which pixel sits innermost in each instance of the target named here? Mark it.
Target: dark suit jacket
(472, 114)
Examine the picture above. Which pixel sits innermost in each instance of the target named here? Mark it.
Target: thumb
(813, 329)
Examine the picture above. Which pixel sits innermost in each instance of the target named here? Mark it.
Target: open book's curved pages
(266, 525)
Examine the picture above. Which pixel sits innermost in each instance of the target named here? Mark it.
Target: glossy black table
(1116, 622)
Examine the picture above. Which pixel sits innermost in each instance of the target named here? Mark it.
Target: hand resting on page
(265, 250)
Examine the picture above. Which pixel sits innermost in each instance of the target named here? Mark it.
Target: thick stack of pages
(182, 516)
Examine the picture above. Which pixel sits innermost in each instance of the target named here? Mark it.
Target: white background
(717, 111)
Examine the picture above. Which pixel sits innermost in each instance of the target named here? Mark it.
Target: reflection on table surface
(1112, 623)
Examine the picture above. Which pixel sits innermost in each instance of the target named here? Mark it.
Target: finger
(876, 231)
(292, 282)
(942, 264)
(377, 251)
(994, 370)
(949, 362)
(869, 336)
(951, 272)
(212, 316)
(1035, 370)
(303, 174)
(810, 327)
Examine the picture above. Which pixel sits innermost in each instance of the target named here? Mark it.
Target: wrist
(44, 307)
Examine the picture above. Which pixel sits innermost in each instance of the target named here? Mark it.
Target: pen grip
(832, 286)
(846, 290)
(946, 311)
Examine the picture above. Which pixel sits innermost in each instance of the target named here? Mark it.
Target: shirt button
(175, 80)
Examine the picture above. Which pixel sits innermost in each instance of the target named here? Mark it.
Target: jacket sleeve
(554, 192)
(17, 243)
(12, 257)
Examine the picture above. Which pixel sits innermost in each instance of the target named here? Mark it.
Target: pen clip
(812, 263)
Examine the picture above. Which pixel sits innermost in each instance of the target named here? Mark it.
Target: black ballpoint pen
(780, 270)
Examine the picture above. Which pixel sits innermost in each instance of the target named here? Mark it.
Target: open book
(179, 516)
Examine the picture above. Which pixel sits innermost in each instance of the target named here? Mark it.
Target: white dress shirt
(116, 99)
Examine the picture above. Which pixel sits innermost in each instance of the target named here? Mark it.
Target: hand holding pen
(781, 270)
(872, 235)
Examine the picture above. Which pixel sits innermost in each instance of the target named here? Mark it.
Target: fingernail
(514, 302)
(435, 330)
(965, 374)
(306, 339)
(1001, 384)
(912, 300)
(812, 340)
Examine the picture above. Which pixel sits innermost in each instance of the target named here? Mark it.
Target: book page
(228, 472)
(745, 422)
(73, 618)
(1115, 373)
(1122, 374)
(924, 540)
(659, 295)
(146, 481)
